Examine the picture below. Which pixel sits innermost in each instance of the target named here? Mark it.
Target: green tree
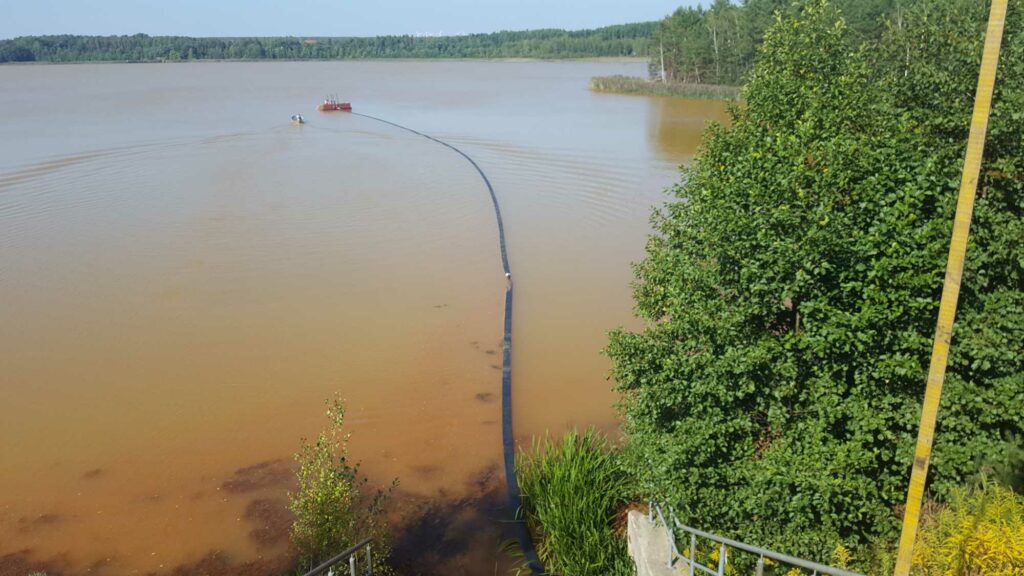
(12, 53)
(790, 292)
(932, 59)
(331, 506)
(717, 45)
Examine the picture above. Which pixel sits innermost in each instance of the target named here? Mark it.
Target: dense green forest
(717, 44)
(620, 40)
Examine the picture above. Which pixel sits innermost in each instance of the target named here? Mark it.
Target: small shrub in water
(332, 511)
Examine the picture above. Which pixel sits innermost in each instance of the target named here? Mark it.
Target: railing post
(352, 565)
(760, 566)
(369, 561)
(721, 560)
(693, 551)
(671, 544)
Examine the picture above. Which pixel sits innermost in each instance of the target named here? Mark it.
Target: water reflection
(675, 125)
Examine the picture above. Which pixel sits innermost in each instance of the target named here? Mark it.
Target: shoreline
(597, 59)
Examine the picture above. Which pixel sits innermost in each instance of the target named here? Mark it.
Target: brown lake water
(185, 277)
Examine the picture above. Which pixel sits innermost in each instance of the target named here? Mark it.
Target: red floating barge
(331, 104)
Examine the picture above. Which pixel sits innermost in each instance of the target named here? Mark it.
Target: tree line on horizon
(619, 40)
(704, 45)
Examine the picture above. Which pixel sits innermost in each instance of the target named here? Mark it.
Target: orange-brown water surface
(185, 277)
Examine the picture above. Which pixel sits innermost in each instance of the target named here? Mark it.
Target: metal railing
(724, 544)
(349, 556)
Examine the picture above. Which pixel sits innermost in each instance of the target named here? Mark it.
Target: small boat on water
(298, 119)
(331, 104)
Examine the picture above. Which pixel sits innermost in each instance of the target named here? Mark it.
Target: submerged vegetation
(572, 490)
(621, 40)
(331, 506)
(634, 85)
(791, 289)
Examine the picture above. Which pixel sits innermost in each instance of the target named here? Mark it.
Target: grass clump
(634, 85)
(572, 489)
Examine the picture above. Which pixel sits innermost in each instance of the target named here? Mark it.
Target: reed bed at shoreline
(636, 85)
(573, 487)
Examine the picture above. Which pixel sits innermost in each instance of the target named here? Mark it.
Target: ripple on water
(592, 188)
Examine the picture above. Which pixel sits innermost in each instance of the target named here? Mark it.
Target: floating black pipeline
(508, 439)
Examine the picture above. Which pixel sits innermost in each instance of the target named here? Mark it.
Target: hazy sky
(316, 17)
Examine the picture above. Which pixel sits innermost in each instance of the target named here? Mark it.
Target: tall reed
(572, 490)
(634, 85)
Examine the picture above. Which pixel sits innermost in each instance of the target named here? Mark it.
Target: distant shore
(630, 40)
(600, 59)
(641, 86)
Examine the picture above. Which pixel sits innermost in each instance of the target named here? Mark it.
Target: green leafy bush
(571, 492)
(791, 290)
(331, 507)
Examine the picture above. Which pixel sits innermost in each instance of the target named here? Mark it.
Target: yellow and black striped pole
(951, 287)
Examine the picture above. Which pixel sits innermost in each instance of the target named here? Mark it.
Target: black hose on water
(508, 439)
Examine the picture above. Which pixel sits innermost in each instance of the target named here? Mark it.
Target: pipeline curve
(508, 439)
